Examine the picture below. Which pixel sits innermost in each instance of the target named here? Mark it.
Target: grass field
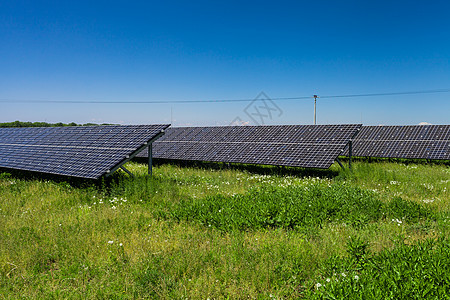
(378, 232)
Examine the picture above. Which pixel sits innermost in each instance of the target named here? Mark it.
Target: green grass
(292, 207)
(419, 271)
(229, 233)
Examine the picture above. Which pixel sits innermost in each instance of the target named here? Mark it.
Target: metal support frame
(339, 162)
(130, 157)
(350, 154)
(350, 146)
(150, 159)
(128, 172)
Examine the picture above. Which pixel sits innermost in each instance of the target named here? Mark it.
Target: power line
(146, 102)
(220, 100)
(389, 94)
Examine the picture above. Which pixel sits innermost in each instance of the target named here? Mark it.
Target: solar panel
(310, 146)
(416, 141)
(79, 151)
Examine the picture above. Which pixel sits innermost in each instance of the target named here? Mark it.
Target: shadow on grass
(116, 184)
(256, 169)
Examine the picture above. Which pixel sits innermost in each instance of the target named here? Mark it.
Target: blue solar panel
(309, 146)
(79, 151)
(410, 142)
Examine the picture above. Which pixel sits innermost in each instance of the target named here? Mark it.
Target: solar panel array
(309, 146)
(417, 141)
(80, 151)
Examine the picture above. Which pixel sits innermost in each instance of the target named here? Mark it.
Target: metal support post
(150, 159)
(350, 154)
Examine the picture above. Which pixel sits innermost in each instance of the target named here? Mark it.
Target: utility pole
(315, 100)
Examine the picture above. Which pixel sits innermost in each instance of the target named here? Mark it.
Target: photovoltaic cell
(78, 151)
(413, 142)
(310, 146)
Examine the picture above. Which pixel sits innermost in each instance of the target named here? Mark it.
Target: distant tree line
(43, 124)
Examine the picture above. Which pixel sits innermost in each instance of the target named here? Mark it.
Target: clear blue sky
(201, 50)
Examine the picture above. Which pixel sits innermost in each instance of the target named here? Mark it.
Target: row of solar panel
(309, 146)
(93, 150)
(430, 142)
(410, 142)
(88, 152)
